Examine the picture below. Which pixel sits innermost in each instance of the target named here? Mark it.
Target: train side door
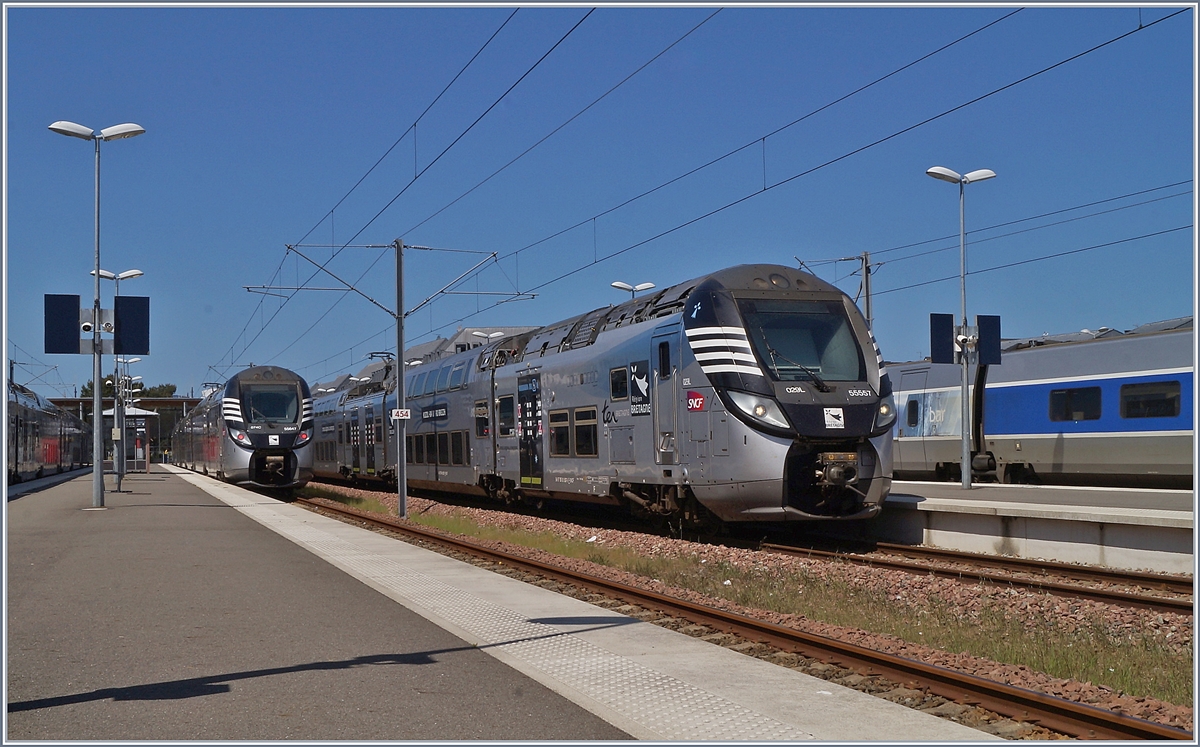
(352, 440)
(529, 430)
(369, 438)
(910, 429)
(664, 382)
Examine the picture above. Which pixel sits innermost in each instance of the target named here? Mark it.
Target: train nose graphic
(834, 418)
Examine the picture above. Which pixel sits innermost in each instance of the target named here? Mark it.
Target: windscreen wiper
(817, 381)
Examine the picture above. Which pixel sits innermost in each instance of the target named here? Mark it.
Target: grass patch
(362, 504)
(1136, 665)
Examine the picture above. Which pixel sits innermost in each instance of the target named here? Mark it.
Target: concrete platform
(169, 615)
(1114, 527)
(635, 678)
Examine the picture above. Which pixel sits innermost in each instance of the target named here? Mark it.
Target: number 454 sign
(399, 414)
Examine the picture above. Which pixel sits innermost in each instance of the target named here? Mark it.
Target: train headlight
(240, 438)
(760, 408)
(304, 436)
(886, 414)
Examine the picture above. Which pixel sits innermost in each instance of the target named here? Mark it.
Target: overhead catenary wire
(837, 159)
(1031, 260)
(776, 131)
(369, 171)
(831, 260)
(762, 138)
(851, 153)
(416, 177)
(1042, 258)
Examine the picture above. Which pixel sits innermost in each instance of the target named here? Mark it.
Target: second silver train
(755, 393)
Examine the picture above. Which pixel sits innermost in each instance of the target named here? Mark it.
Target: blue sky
(259, 121)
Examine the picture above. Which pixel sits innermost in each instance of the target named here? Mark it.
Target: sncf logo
(695, 402)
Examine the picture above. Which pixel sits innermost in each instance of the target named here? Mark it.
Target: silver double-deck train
(752, 394)
(1097, 407)
(42, 438)
(256, 430)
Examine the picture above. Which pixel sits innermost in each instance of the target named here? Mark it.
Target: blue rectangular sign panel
(62, 324)
(989, 340)
(131, 333)
(941, 338)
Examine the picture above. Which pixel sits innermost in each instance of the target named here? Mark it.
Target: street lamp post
(116, 132)
(633, 289)
(965, 336)
(118, 400)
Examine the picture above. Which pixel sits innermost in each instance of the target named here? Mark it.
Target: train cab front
(269, 424)
(793, 360)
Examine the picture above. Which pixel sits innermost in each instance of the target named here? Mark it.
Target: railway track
(1039, 575)
(1064, 716)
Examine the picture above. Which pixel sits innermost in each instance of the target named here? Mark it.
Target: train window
(417, 449)
(618, 383)
(796, 339)
(481, 419)
(586, 443)
(507, 416)
(379, 434)
(408, 449)
(560, 433)
(456, 447)
(443, 380)
(914, 413)
(443, 448)
(431, 382)
(431, 446)
(664, 360)
(339, 433)
(1159, 399)
(456, 376)
(418, 387)
(1075, 404)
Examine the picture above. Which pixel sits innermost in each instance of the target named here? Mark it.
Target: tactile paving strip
(666, 707)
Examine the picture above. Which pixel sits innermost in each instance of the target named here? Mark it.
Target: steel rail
(1163, 582)
(1109, 596)
(1065, 716)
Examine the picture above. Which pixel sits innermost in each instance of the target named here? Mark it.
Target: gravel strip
(1034, 610)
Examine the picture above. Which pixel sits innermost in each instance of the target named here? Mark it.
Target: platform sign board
(989, 340)
(131, 334)
(62, 324)
(941, 338)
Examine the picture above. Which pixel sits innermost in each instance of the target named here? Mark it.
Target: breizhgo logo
(834, 418)
(639, 392)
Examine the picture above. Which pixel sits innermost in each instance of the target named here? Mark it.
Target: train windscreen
(270, 403)
(803, 340)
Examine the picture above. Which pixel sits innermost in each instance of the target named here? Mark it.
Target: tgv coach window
(1075, 404)
(1156, 400)
(270, 403)
(796, 339)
